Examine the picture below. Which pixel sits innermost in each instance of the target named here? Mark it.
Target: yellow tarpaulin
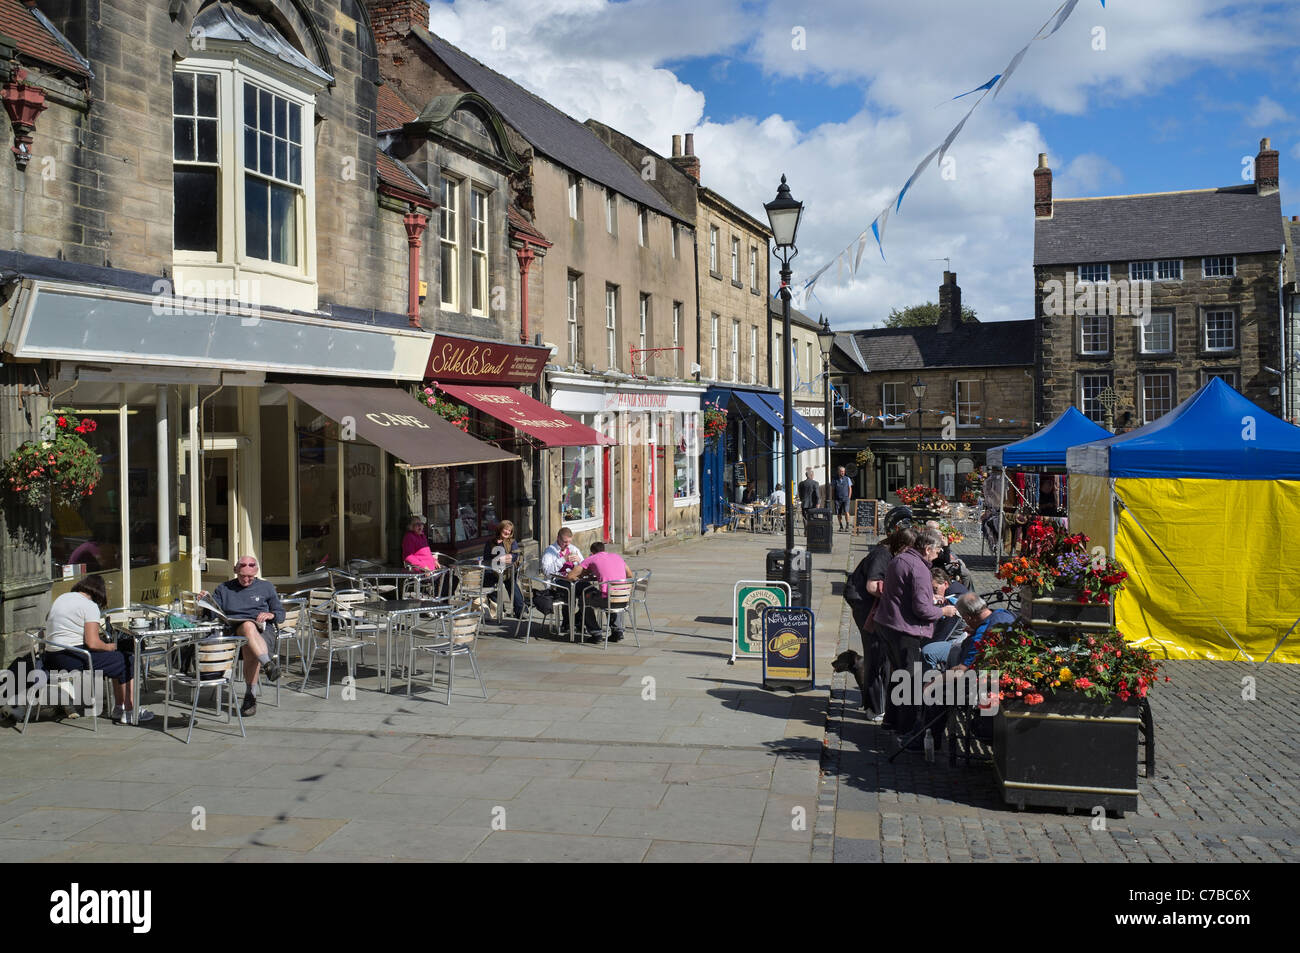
(1089, 498)
(1233, 541)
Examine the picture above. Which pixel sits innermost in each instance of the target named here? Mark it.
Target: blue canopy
(1047, 447)
(1216, 434)
(806, 436)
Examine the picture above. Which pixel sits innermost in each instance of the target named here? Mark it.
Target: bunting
(850, 258)
(882, 418)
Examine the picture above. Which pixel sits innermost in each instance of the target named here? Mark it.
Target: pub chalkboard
(741, 477)
(864, 516)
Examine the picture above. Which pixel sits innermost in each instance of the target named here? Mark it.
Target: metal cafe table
(156, 640)
(396, 610)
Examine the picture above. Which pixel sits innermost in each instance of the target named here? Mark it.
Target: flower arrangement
(951, 534)
(1051, 556)
(1033, 665)
(974, 485)
(455, 414)
(715, 421)
(64, 467)
(864, 458)
(923, 497)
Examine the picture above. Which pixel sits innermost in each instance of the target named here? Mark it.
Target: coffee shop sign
(939, 447)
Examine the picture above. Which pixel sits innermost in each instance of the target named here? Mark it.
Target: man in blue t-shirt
(842, 492)
(254, 610)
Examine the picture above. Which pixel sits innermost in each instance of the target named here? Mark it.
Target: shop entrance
(220, 496)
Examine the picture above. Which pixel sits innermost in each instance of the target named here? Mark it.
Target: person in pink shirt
(605, 567)
(415, 547)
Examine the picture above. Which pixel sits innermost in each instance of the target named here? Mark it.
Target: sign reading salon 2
(456, 359)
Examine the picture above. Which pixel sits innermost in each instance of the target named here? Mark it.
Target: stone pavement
(1226, 787)
(660, 753)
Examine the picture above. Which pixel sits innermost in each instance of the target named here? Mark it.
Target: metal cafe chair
(461, 636)
(213, 667)
(38, 645)
(640, 595)
(330, 632)
(533, 582)
(617, 603)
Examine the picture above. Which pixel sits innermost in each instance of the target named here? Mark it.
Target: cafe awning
(393, 420)
(774, 418)
(527, 415)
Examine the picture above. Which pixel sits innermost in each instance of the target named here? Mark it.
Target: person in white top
(74, 622)
(557, 562)
(778, 497)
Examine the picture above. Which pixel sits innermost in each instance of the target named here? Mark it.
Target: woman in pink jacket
(415, 547)
(905, 617)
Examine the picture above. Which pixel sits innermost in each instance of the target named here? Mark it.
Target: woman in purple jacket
(905, 617)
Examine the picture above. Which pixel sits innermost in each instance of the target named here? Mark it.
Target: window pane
(281, 117)
(275, 476)
(88, 535)
(250, 147)
(183, 140)
(295, 165)
(264, 110)
(183, 94)
(264, 151)
(361, 511)
(281, 159)
(195, 213)
(250, 106)
(284, 225)
(318, 490)
(295, 123)
(448, 270)
(466, 489)
(207, 142)
(256, 207)
(207, 95)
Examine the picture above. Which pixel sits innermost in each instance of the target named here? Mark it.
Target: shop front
(209, 447)
(743, 464)
(645, 482)
(938, 463)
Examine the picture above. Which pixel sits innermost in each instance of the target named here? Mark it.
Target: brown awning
(530, 416)
(393, 420)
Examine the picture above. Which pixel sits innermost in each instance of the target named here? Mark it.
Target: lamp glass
(783, 214)
(918, 389)
(826, 338)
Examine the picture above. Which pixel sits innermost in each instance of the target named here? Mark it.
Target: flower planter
(1068, 752)
(1062, 605)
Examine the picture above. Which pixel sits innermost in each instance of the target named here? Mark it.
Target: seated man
(557, 562)
(959, 654)
(251, 603)
(778, 497)
(606, 567)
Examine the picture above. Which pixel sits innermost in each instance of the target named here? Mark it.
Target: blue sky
(845, 96)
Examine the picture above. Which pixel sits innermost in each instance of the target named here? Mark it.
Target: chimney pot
(677, 146)
(690, 143)
(1266, 168)
(1265, 144)
(1042, 160)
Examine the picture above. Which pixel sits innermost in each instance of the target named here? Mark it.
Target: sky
(845, 97)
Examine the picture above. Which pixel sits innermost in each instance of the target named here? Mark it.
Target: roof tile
(391, 111)
(38, 39)
(988, 344)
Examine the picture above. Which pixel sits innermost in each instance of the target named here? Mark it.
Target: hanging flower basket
(715, 422)
(65, 468)
(455, 414)
(864, 459)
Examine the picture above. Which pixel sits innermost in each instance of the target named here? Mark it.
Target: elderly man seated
(959, 653)
(250, 604)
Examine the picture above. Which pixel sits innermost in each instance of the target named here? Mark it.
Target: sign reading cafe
(464, 359)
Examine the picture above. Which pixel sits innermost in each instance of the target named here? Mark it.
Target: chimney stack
(1266, 169)
(949, 303)
(391, 19)
(677, 146)
(1042, 188)
(688, 162)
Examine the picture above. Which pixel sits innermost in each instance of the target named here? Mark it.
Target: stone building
(615, 282)
(201, 229)
(978, 393)
(1152, 295)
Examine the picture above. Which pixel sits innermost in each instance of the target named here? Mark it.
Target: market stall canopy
(527, 415)
(393, 420)
(770, 415)
(1047, 447)
(1216, 434)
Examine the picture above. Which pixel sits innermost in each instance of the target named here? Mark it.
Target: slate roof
(38, 39)
(1228, 221)
(397, 176)
(991, 344)
(552, 133)
(391, 111)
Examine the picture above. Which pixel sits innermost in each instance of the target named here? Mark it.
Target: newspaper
(207, 603)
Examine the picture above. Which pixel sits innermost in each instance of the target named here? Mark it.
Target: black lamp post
(918, 390)
(826, 338)
(783, 214)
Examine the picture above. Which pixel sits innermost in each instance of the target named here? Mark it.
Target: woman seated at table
(503, 551)
(415, 547)
(74, 622)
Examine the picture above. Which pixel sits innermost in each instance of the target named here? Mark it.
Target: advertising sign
(788, 647)
(464, 359)
(751, 597)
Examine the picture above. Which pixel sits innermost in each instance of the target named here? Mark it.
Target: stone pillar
(24, 532)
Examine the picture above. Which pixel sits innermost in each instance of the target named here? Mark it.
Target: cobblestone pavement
(660, 753)
(1226, 786)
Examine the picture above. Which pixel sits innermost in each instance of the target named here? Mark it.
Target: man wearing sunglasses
(250, 603)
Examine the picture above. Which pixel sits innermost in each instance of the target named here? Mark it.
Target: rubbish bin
(800, 578)
(819, 528)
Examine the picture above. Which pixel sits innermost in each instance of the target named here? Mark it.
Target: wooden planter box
(1068, 752)
(1062, 607)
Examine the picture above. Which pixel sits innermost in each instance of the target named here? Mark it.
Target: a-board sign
(788, 647)
(864, 516)
(742, 478)
(750, 598)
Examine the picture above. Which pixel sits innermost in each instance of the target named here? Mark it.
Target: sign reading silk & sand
(788, 647)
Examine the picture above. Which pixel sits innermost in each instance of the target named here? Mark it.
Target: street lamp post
(783, 214)
(918, 391)
(826, 338)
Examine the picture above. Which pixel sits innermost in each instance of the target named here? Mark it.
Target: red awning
(527, 415)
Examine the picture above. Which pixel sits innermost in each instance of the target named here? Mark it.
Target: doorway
(220, 495)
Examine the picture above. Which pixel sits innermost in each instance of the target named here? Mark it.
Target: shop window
(580, 480)
(318, 491)
(363, 516)
(686, 460)
(276, 473)
(947, 477)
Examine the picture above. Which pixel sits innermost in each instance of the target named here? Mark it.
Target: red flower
(1083, 683)
(63, 421)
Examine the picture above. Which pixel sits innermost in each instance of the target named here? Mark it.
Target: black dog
(851, 661)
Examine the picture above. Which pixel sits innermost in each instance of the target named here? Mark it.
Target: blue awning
(806, 436)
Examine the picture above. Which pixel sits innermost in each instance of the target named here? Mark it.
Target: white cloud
(603, 59)
(1266, 112)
